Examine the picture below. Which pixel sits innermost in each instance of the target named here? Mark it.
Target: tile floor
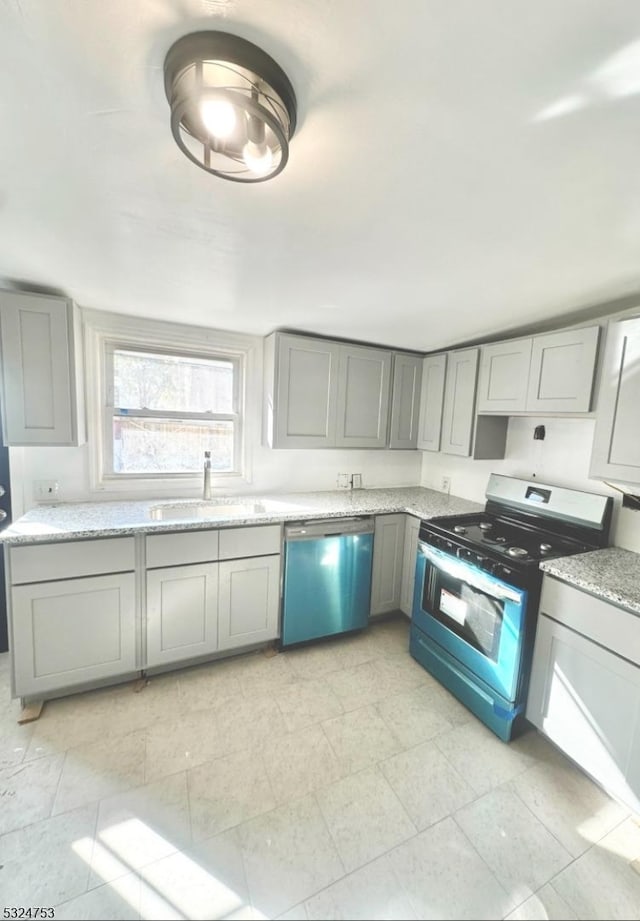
(334, 781)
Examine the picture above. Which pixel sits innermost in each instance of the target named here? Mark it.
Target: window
(165, 408)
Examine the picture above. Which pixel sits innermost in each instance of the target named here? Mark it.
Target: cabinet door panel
(562, 369)
(459, 402)
(386, 576)
(249, 601)
(305, 398)
(363, 398)
(431, 399)
(616, 446)
(72, 632)
(411, 531)
(405, 401)
(182, 613)
(37, 369)
(504, 375)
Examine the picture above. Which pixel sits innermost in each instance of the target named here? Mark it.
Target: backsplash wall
(562, 458)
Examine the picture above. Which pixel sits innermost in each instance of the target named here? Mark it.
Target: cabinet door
(587, 701)
(411, 530)
(72, 632)
(616, 445)
(504, 376)
(386, 576)
(305, 395)
(41, 404)
(405, 401)
(431, 398)
(562, 370)
(182, 613)
(459, 400)
(249, 601)
(363, 397)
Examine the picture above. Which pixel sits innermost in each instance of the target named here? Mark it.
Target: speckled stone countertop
(612, 574)
(67, 521)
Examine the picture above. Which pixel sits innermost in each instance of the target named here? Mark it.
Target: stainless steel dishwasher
(327, 578)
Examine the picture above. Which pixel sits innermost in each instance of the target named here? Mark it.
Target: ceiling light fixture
(233, 109)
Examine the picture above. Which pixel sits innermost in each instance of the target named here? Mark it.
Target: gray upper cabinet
(41, 370)
(363, 397)
(405, 401)
(431, 398)
(459, 402)
(542, 374)
(616, 445)
(325, 394)
(562, 371)
(301, 387)
(504, 376)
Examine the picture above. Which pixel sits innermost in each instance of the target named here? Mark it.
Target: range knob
(459, 529)
(545, 548)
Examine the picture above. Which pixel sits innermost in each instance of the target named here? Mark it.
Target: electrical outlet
(356, 481)
(445, 484)
(45, 490)
(344, 481)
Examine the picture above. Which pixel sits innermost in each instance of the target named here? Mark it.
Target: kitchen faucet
(206, 490)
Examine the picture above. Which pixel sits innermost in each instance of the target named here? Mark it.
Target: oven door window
(471, 613)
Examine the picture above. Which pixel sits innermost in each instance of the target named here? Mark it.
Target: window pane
(155, 446)
(174, 383)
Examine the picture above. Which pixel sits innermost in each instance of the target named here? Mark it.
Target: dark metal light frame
(219, 66)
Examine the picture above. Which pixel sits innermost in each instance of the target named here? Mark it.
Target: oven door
(476, 617)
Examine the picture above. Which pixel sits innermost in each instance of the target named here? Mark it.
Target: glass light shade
(233, 110)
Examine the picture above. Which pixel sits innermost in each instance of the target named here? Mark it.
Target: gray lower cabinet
(41, 370)
(411, 531)
(248, 601)
(72, 632)
(182, 613)
(616, 445)
(386, 577)
(585, 686)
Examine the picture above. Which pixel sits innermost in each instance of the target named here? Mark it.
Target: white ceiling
(460, 167)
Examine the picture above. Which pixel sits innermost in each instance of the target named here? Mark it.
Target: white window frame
(105, 332)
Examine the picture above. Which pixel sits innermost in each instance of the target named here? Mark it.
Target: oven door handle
(467, 572)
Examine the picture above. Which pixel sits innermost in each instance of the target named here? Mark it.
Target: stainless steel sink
(169, 511)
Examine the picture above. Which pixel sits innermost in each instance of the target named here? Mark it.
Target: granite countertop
(612, 574)
(66, 521)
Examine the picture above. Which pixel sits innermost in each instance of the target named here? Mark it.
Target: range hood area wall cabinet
(42, 370)
(321, 393)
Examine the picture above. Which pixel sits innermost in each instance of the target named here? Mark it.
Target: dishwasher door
(327, 578)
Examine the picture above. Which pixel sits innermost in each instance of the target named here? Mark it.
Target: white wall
(562, 459)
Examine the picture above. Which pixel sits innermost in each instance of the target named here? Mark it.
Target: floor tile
(413, 716)
(574, 809)
(544, 904)
(445, 877)
(47, 862)
(140, 826)
(307, 702)
(227, 791)
(118, 900)
(600, 884)
(360, 738)
(247, 723)
(261, 675)
(300, 762)
(100, 769)
(480, 756)
(426, 784)
(184, 742)
(206, 881)
(297, 913)
(399, 673)
(204, 686)
(27, 791)
(519, 849)
(356, 686)
(372, 892)
(15, 740)
(364, 816)
(289, 855)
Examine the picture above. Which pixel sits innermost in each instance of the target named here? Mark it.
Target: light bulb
(219, 117)
(258, 157)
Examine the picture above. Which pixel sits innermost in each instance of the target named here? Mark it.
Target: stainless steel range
(478, 584)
